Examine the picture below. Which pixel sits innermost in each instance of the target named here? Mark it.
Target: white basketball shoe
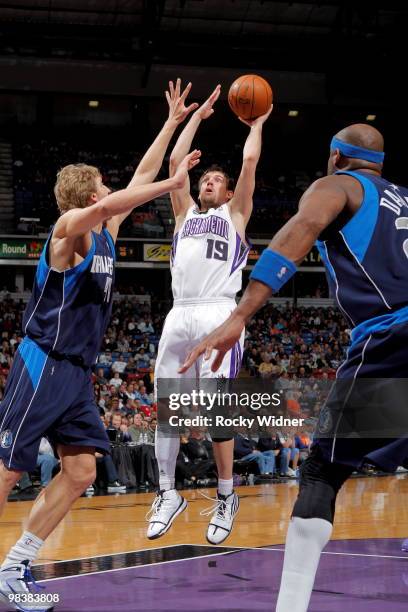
(223, 514)
(166, 506)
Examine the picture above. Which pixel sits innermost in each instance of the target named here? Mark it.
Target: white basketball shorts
(189, 322)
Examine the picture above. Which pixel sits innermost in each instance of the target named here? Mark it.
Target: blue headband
(348, 150)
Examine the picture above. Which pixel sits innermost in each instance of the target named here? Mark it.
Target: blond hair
(75, 185)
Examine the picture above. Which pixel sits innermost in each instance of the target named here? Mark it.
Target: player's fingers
(185, 93)
(190, 156)
(193, 163)
(217, 361)
(208, 352)
(171, 88)
(269, 111)
(213, 99)
(191, 358)
(217, 92)
(168, 97)
(191, 108)
(177, 91)
(215, 95)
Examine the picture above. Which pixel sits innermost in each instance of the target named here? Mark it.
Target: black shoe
(116, 487)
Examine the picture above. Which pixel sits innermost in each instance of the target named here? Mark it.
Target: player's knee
(317, 495)
(8, 478)
(81, 474)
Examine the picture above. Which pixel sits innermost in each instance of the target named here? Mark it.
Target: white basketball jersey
(207, 256)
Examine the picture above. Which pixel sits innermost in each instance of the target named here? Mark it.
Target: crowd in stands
(307, 342)
(298, 348)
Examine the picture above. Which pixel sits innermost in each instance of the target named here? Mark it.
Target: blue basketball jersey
(367, 260)
(69, 311)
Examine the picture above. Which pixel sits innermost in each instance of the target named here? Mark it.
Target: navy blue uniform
(367, 269)
(49, 390)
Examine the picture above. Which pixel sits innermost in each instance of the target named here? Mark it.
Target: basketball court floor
(98, 560)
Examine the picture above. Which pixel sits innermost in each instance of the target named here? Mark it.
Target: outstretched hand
(221, 339)
(178, 110)
(259, 120)
(189, 162)
(206, 109)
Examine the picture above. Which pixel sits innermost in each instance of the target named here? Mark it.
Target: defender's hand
(189, 162)
(206, 109)
(178, 110)
(221, 339)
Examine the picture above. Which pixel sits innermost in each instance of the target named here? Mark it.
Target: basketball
(250, 96)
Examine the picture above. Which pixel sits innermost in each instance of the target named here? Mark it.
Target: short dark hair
(215, 168)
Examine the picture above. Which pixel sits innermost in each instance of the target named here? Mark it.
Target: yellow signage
(156, 252)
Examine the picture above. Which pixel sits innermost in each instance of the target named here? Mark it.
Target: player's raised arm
(79, 221)
(181, 199)
(151, 162)
(241, 203)
(318, 208)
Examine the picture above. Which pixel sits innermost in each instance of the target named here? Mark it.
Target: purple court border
(361, 575)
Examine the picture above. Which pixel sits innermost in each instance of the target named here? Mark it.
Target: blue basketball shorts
(365, 419)
(48, 397)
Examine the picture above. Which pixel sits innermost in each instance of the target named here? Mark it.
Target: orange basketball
(250, 96)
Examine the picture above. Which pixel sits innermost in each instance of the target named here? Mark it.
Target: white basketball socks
(305, 541)
(166, 450)
(26, 549)
(225, 487)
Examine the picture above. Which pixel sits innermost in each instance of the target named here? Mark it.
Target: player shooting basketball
(209, 252)
(49, 389)
(357, 218)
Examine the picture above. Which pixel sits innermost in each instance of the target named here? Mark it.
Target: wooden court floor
(373, 507)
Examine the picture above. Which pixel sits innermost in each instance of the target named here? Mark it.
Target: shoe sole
(179, 510)
(228, 534)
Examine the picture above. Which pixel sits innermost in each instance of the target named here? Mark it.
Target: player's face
(214, 189)
(101, 191)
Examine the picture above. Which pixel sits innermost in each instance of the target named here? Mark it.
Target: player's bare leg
(78, 469)
(227, 502)
(14, 572)
(8, 479)
(224, 458)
